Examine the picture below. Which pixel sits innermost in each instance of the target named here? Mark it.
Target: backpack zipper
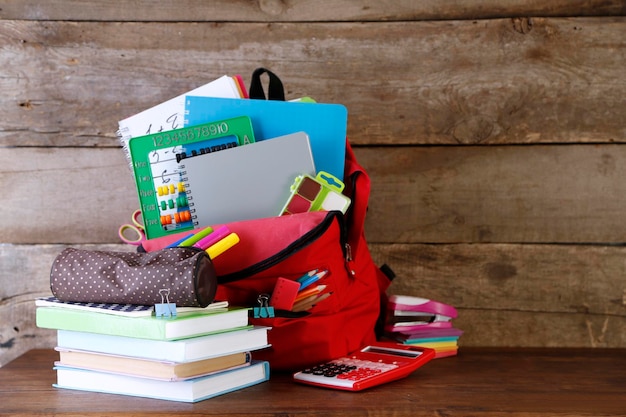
(294, 247)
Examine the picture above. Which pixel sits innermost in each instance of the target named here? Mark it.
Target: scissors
(137, 229)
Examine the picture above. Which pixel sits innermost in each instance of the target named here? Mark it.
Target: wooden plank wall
(494, 133)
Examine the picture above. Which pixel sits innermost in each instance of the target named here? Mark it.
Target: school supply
(183, 350)
(407, 313)
(422, 322)
(407, 304)
(196, 237)
(297, 247)
(190, 390)
(134, 278)
(247, 182)
(284, 294)
(218, 234)
(169, 115)
(292, 246)
(136, 229)
(127, 310)
(312, 194)
(147, 368)
(183, 325)
(222, 245)
(156, 159)
(372, 365)
(326, 124)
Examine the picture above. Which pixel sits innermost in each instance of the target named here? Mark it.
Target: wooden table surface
(477, 382)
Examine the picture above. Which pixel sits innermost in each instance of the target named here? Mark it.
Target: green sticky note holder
(315, 194)
(155, 159)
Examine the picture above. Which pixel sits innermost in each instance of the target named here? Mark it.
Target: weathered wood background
(494, 133)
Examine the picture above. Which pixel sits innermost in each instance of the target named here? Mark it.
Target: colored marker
(217, 235)
(223, 245)
(179, 241)
(193, 239)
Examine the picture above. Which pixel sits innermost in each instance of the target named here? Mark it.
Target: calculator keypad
(344, 371)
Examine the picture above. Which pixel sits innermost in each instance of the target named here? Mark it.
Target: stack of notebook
(125, 349)
(422, 322)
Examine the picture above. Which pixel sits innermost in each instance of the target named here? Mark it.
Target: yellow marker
(223, 245)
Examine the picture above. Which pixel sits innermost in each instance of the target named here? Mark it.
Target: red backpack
(290, 246)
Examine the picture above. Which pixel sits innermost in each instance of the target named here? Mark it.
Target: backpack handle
(275, 90)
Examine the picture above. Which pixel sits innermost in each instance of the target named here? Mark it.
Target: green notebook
(182, 326)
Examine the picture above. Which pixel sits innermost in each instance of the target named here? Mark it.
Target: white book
(183, 350)
(191, 390)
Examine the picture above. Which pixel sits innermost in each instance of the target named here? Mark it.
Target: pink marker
(218, 234)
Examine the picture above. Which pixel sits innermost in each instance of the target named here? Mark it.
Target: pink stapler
(407, 314)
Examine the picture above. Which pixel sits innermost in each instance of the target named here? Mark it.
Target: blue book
(190, 390)
(325, 124)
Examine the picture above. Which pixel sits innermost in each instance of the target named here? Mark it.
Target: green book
(182, 326)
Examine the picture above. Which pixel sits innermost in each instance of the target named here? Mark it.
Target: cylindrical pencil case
(186, 273)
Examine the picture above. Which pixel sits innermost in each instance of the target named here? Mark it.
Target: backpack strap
(357, 187)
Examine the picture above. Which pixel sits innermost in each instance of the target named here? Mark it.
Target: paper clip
(264, 310)
(165, 308)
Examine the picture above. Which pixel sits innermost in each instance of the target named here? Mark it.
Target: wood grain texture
(534, 194)
(25, 275)
(293, 10)
(537, 194)
(480, 383)
(526, 295)
(67, 195)
(493, 133)
(446, 82)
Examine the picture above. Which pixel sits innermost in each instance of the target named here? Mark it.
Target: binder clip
(264, 310)
(165, 308)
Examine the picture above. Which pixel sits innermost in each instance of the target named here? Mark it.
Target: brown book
(146, 368)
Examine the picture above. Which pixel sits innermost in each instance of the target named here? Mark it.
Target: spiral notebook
(247, 182)
(325, 123)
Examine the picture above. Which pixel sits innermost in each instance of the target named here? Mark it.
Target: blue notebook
(325, 124)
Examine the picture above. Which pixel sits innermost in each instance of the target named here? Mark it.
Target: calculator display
(395, 352)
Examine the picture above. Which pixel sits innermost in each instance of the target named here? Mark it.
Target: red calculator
(373, 365)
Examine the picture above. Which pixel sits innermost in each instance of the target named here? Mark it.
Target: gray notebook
(247, 182)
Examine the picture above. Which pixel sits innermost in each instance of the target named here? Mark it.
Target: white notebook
(170, 114)
(247, 182)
